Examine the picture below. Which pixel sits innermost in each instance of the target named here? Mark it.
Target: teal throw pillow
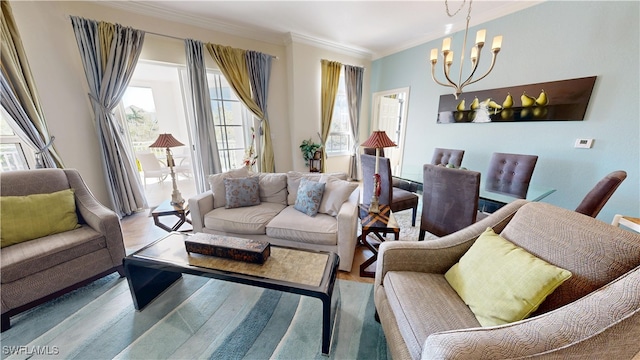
(309, 196)
(240, 192)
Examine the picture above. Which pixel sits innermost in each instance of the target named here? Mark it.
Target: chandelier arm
(473, 70)
(447, 68)
(433, 75)
(493, 62)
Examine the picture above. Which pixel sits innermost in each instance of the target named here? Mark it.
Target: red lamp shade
(378, 139)
(166, 141)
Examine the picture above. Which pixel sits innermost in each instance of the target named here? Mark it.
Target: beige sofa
(595, 314)
(276, 220)
(38, 270)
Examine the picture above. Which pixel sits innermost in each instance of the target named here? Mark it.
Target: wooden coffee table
(381, 223)
(152, 269)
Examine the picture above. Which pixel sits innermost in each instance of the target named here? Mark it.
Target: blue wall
(547, 42)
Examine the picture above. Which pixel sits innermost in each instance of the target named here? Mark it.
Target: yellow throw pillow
(30, 217)
(501, 282)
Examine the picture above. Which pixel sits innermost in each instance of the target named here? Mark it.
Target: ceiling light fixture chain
(447, 55)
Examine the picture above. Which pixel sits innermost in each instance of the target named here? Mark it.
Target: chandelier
(447, 55)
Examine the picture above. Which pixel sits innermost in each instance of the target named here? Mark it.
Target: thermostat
(584, 143)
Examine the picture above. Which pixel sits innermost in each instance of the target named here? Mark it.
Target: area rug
(196, 318)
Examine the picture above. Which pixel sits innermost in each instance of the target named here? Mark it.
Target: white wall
(555, 40)
(52, 51)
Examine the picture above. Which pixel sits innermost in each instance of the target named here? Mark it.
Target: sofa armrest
(97, 216)
(348, 229)
(602, 325)
(199, 206)
(437, 256)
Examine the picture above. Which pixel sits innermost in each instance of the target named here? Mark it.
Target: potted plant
(308, 149)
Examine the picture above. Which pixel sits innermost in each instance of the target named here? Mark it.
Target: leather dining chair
(595, 199)
(447, 156)
(449, 200)
(397, 199)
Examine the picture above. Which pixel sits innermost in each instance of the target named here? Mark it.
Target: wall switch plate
(584, 143)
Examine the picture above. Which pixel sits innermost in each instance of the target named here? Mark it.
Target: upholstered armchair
(37, 270)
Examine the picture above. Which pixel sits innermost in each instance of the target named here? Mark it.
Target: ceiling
(370, 28)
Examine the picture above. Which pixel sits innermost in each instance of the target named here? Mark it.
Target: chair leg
(6, 322)
(413, 217)
(421, 235)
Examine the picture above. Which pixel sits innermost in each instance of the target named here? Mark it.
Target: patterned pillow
(241, 192)
(309, 196)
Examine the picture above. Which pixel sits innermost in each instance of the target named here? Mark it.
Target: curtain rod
(363, 68)
(167, 36)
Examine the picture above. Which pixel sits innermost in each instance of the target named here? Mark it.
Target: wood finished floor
(139, 230)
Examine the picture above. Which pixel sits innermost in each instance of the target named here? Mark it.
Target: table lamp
(377, 140)
(168, 141)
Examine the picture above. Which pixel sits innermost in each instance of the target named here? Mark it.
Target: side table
(381, 223)
(166, 209)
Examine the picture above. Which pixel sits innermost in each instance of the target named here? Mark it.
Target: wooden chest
(248, 250)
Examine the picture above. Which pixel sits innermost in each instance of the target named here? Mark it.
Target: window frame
(341, 96)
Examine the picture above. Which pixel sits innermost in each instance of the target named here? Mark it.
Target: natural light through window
(339, 139)
(12, 149)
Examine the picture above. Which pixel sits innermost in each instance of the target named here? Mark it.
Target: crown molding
(505, 10)
(328, 45)
(147, 8)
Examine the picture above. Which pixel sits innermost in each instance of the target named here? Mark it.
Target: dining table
(412, 181)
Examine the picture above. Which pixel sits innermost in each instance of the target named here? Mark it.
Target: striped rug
(197, 318)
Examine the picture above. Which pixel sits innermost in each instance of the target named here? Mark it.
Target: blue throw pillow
(309, 196)
(241, 192)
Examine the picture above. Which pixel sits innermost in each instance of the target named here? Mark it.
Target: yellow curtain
(233, 65)
(17, 72)
(330, 77)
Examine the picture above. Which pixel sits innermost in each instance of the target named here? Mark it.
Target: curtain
(259, 67)
(233, 65)
(353, 76)
(207, 157)
(20, 97)
(109, 54)
(330, 78)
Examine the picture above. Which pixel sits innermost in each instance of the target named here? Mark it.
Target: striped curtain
(109, 54)
(353, 76)
(259, 67)
(19, 95)
(330, 78)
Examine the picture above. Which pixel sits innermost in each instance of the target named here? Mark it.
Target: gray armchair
(593, 315)
(41, 269)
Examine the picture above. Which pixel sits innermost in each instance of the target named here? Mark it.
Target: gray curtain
(20, 96)
(259, 66)
(109, 54)
(353, 76)
(207, 157)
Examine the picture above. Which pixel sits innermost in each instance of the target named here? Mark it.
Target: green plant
(308, 149)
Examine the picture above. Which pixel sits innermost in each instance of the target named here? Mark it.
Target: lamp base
(176, 198)
(374, 207)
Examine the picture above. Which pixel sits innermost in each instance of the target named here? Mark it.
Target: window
(13, 152)
(231, 120)
(141, 120)
(339, 140)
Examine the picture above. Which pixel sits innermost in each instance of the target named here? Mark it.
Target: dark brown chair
(595, 199)
(449, 200)
(398, 199)
(447, 156)
(508, 174)
(372, 151)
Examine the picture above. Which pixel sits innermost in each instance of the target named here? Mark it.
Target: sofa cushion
(423, 304)
(240, 192)
(244, 220)
(293, 181)
(309, 197)
(291, 224)
(273, 188)
(27, 258)
(502, 282)
(216, 183)
(336, 192)
(33, 216)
